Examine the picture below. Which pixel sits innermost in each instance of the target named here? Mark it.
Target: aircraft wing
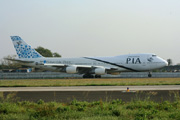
(81, 68)
(78, 66)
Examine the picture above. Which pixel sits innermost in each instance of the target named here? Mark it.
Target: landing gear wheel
(84, 76)
(88, 76)
(91, 76)
(149, 75)
(97, 76)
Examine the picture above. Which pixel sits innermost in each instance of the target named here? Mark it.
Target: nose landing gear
(149, 75)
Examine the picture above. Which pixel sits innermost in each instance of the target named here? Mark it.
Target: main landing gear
(149, 74)
(91, 76)
(97, 76)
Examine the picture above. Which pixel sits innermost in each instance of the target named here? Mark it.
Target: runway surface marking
(92, 88)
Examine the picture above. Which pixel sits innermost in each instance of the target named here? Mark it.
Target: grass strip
(88, 82)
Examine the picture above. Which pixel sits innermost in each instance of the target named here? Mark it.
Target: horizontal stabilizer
(18, 60)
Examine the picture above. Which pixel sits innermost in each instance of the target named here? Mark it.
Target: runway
(93, 93)
(92, 88)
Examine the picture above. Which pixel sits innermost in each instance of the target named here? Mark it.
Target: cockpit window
(153, 55)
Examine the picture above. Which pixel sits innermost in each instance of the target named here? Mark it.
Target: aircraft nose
(166, 63)
(163, 62)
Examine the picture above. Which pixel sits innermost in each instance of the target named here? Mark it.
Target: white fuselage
(122, 63)
(86, 65)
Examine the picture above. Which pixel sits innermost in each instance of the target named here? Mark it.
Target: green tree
(56, 54)
(169, 62)
(46, 52)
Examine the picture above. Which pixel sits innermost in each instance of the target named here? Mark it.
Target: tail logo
(24, 50)
(19, 42)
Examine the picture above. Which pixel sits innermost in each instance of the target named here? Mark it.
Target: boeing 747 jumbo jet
(90, 67)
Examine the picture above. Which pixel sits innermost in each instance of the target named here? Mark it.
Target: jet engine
(100, 71)
(71, 69)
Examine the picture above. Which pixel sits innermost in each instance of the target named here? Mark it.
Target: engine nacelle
(71, 69)
(100, 71)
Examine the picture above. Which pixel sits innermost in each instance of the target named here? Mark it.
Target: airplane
(89, 67)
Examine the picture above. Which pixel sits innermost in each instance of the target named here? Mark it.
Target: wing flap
(55, 65)
(64, 65)
(79, 66)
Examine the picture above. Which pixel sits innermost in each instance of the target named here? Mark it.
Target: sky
(76, 28)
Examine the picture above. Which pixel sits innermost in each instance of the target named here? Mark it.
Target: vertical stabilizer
(24, 50)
